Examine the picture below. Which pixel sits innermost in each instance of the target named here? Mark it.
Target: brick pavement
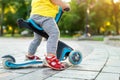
(100, 62)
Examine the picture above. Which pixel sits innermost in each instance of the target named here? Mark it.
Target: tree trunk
(2, 18)
(116, 11)
(13, 32)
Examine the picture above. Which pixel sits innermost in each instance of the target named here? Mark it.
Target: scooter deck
(8, 62)
(23, 64)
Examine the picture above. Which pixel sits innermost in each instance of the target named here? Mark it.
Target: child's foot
(54, 63)
(32, 57)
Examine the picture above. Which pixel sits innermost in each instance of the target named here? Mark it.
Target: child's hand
(66, 7)
(62, 4)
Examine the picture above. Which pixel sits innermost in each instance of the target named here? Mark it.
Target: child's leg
(50, 27)
(52, 30)
(34, 45)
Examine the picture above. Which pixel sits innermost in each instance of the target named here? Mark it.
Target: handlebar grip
(67, 9)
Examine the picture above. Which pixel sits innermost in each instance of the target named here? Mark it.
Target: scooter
(64, 51)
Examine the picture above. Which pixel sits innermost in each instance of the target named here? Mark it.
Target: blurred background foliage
(97, 17)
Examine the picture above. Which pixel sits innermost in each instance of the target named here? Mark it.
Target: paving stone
(93, 62)
(1, 65)
(108, 76)
(114, 57)
(24, 70)
(113, 62)
(57, 78)
(5, 70)
(96, 58)
(9, 76)
(75, 74)
(111, 69)
(2, 71)
(86, 67)
(37, 75)
(87, 70)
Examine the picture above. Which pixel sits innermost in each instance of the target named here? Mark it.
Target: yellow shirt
(44, 8)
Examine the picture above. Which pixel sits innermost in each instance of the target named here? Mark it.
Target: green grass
(115, 39)
(93, 38)
(97, 38)
(65, 36)
(9, 35)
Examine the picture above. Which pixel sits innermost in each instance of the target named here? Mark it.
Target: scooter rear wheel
(6, 60)
(75, 57)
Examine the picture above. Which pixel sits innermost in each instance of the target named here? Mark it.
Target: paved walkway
(100, 62)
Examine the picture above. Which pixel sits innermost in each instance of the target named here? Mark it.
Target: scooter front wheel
(75, 57)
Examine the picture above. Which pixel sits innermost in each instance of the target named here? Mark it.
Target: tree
(15, 10)
(73, 21)
(116, 15)
(3, 5)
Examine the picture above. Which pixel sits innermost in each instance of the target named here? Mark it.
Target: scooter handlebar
(58, 16)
